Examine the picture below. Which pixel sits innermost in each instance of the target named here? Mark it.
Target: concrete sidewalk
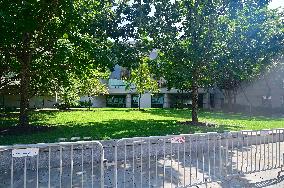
(155, 176)
(266, 179)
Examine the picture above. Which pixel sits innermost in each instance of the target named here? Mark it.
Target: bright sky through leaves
(277, 3)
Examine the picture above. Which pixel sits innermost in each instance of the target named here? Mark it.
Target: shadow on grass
(182, 113)
(112, 129)
(11, 118)
(117, 127)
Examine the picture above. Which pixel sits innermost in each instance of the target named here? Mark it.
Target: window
(266, 100)
(157, 101)
(134, 101)
(116, 101)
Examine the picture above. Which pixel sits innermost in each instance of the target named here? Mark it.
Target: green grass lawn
(108, 123)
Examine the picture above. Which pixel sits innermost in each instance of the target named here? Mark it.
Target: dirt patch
(20, 130)
(198, 124)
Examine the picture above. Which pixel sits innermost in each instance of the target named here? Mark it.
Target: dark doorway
(134, 101)
(212, 100)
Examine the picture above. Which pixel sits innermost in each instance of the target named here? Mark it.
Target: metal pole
(37, 161)
(102, 165)
(12, 172)
(25, 172)
(141, 162)
(82, 169)
(115, 166)
(60, 176)
(71, 171)
(124, 164)
(92, 162)
(49, 168)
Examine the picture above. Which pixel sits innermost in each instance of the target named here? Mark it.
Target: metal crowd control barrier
(160, 161)
(188, 160)
(69, 164)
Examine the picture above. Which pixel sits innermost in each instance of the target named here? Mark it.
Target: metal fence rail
(74, 164)
(161, 161)
(256, 151)
(167, 162)
(187, 160)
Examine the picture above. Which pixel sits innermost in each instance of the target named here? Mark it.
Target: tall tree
(142, 80)
(92, 84)
(250, 40)
(184, 31)
(187, 34)
(43, 40)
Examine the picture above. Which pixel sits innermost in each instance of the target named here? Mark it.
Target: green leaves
(54, 43)
(142, 79)
(65, 38)
(90, 84)
(247, 43)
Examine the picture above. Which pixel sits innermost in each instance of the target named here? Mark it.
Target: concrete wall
(269, 85)
(13, 101)
(128, 101)
(256, 91)
(98, 101)
(167, 101)
(42, 102)
(146, 100)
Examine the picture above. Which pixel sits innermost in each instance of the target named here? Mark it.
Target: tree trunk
(182, 101)
(25, 58)
(194, 108)
(89, 103)
(139, 101)
(230, 101)
(24, 91)
(235, 97)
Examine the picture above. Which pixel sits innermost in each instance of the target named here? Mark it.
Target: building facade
(120, 97)
(263, 94)
(267, 92)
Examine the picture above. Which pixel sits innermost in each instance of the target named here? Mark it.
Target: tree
(44, 41)
(184, 31)
(91, 85)
(250, 40)
(68, 94)
(187, 34)
(143, 80)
